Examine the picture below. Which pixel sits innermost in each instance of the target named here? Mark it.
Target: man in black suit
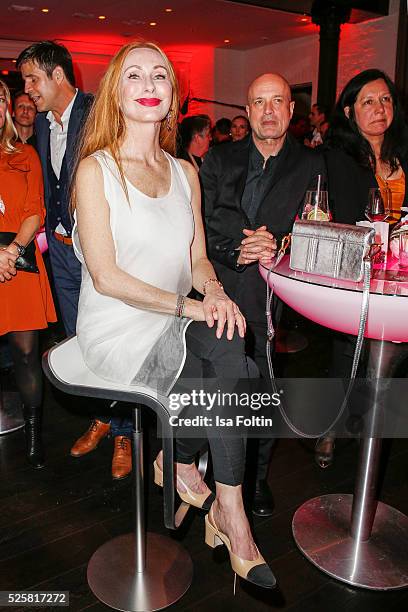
(195, 138)
(47, 70)
(253, 190)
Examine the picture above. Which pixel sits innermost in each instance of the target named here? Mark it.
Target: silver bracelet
(180, 305)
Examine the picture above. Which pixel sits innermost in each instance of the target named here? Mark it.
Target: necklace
(384, 171)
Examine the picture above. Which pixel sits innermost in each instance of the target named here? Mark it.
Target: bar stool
(138, 571)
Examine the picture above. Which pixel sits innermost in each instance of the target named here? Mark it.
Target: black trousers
(259, 451)
(218, 363)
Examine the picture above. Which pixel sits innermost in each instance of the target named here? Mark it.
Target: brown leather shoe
(91, 438)
(122, 458)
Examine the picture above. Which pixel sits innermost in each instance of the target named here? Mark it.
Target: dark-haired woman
(366, 146)
(25, 299)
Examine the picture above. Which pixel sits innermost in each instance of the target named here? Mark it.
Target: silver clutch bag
(338, 251)
(330, 249)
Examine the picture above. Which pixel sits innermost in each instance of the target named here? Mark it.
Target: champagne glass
(316, 206)
(378, 207)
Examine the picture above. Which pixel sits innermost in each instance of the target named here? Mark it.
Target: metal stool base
(11, 416)
(113, 579)
(321, 528)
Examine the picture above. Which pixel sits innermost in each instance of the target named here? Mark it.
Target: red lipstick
(149, 101)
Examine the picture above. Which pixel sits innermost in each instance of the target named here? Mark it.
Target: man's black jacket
(223, 176)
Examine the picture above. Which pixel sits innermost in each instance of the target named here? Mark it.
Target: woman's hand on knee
(220, 309)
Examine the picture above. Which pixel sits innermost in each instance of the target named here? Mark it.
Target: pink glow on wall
(371, 44)
(195, 65)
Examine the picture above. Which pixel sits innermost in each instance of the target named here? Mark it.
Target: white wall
(363, 45)
(230, 81)
(297, 60)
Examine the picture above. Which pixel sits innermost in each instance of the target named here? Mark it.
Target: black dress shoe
(263, 504)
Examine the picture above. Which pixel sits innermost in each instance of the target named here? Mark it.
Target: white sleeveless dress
(152, 238)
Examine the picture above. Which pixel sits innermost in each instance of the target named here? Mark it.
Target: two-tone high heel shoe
(202, 501)
(256, 571)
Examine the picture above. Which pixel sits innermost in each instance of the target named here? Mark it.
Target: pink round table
(355, 538)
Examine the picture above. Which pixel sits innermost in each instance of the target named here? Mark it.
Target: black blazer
(182, 154)
(77, 118)
(349, 184)
(223, 177)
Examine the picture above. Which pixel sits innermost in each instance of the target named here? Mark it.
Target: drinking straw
(319, 179)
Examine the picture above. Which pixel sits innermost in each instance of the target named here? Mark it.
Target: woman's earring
(168, 120)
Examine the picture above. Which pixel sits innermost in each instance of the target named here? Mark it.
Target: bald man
(253, 190)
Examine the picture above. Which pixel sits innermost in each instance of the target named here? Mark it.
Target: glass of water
(316, 206)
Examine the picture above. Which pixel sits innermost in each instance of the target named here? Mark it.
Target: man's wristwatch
(21, 250)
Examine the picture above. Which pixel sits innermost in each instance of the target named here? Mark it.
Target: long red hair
(105, 126)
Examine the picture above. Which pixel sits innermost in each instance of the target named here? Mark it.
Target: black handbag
(26, 262)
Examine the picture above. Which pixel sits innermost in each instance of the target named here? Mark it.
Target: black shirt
(260, 176)
(32, 140)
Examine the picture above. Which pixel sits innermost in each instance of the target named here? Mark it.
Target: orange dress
(397, 188)
(25, 301)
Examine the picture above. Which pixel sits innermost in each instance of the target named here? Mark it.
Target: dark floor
(52, 520)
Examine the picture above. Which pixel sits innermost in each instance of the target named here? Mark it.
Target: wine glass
(316, 206)
(403, 250)
(378, 207)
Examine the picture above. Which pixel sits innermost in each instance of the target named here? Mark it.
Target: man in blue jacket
(62, 109)
(48, 73)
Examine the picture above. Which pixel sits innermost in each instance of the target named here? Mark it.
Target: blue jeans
(120, 425)
(66, 271)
